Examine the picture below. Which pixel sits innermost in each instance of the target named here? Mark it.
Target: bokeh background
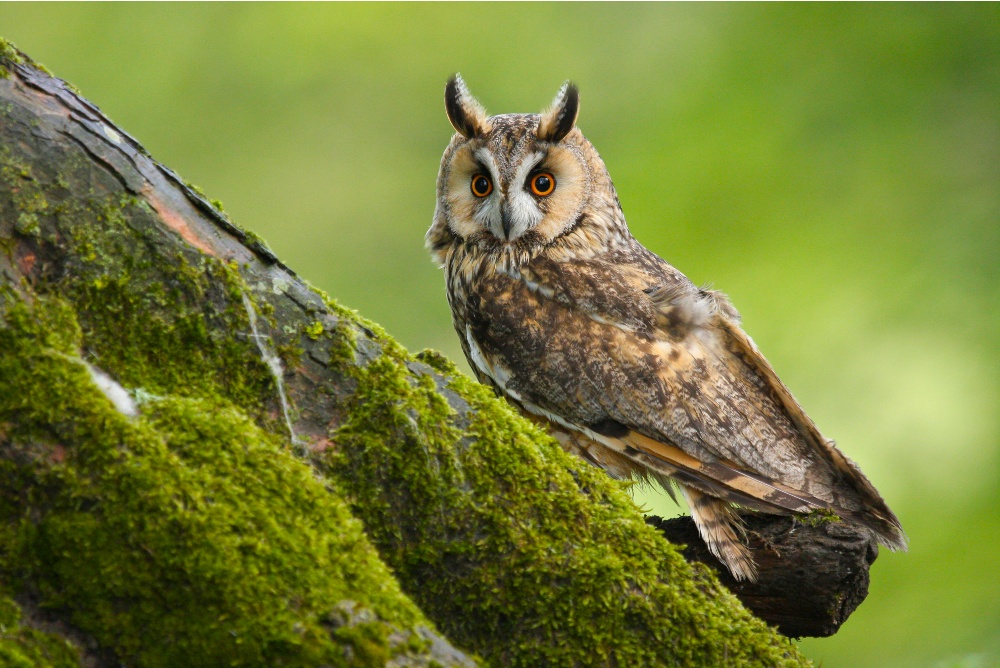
(834, 168)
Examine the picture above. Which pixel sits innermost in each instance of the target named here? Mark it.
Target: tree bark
(183, 421)
(811, 577)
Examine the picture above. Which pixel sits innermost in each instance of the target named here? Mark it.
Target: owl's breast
(545, 355)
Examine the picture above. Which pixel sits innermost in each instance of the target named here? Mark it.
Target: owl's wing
(636, 357)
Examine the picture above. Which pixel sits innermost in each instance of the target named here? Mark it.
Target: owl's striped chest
(539, 353)
(462, 273)
(489, 313)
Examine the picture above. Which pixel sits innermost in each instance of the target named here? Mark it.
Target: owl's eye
(543, 184)
(481, 186)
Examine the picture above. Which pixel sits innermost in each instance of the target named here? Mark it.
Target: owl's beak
(506, 221)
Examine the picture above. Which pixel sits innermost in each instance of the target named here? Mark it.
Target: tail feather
(722, 530)
(735, 485)
(711, 487)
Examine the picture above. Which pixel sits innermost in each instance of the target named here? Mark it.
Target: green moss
(166, 322)
(24, 190)
(25, 647)
(820, 516)
(354, 319)
(438, 362)
(343, 346)
(9, 53)
(315, 330)
(344, 337)
(196, 189)
(519, 551)
(188, 536)
(290, 354)
(251, 237)
(27, 224)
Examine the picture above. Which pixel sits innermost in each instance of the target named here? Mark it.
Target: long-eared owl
(634, 368)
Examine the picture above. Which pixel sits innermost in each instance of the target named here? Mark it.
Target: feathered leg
(721, 529)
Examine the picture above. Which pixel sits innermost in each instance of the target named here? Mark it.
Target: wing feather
(695, 397)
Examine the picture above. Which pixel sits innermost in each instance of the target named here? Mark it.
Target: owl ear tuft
(557, 122)
(464, 111)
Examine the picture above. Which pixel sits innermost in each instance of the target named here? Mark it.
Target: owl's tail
(722, 530)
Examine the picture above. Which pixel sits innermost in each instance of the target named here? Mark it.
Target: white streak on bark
(274, 365)
(115, 393)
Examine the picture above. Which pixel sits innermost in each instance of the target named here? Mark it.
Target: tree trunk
(190, 434)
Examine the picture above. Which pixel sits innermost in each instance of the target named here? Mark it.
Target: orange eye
(543, 184)
(481, 186)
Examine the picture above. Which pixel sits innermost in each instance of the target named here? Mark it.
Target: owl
(633, 367)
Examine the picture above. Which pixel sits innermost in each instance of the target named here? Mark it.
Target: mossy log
(205, 461)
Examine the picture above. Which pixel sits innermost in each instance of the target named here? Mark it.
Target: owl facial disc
(514, 181)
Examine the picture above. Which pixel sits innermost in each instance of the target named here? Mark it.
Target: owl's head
(515, 182)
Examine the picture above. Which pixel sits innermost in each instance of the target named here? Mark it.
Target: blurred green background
(834, 168)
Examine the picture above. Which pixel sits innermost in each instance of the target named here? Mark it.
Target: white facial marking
(521, 205)
(487, 212)
(527, 166)
(524, 210)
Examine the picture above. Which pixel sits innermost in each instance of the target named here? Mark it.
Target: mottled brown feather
(691, 384)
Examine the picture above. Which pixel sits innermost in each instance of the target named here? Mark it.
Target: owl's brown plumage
(636, 369)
